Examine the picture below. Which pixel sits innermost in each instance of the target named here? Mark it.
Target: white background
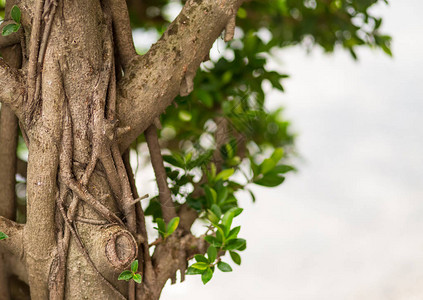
(349, 225)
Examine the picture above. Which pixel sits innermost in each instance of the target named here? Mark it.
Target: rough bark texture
(84, 221)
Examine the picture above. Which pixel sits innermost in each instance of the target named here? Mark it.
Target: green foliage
(166, 230)
(131, 274)
(3, 236)
(13, 27)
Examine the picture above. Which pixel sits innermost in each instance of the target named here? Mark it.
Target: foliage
(131, 274)
(13, 27)
(166, 230)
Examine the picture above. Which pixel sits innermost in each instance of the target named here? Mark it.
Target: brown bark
(70, 104)
(12, 54)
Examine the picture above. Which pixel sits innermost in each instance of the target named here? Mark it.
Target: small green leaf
(137, 278)
(235, 244)
(161, 225)
(225, 174)
(216, 210)
(201, 258)
(211, 195)
(3, 236)
(237, 211)
(235, 257)
(270, 180)
(125, 275)
(277, 155)
(267, 165)
(233, 233)
(213, 241)
(194, 271)
(207, 275)
(173, 224)
(227, 220)
(134, 266)
(224, 267)
(220, 234)
(16, 14)
(212, 254)
(281, 169)
(200, 265)
(212, 217)
(10, 28)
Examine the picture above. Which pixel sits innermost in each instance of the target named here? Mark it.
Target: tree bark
(83, 224)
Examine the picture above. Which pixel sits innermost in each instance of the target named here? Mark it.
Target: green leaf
(3, 236)
(125, 275)
(225, 174)
(211, 195)
(134, 266)
(174, 160)
(161, 225)
(16, 14)
(173, 224)
(137, 278)
(201, 258)
(277, 155)
(270, 180)
(267, 165)
(235, 244)
(281, 169)
(235, 257)
(194, 271)
(237, 211)
(220, 234)
(10, 28)
(233, 233)
(200, 265)
(216, 210)
(212, 254)
(227, 220)
(212, 217)
(224, 267)
(207, 275)
(213, 241)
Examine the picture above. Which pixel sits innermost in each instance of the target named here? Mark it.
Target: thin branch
(165, 195)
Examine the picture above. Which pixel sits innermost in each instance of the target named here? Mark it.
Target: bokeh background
(348, 224)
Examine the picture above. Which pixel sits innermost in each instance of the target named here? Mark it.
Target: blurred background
(348, 224)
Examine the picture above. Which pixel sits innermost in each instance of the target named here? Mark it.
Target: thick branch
(14, 231)
(12, 91)
(155, 79)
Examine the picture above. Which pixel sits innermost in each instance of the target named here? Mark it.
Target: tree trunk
(83, 225)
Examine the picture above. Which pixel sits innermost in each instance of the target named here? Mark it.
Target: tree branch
(12, 90)
(155, 79)
(122, 31)
(14, 243)
(165, 195)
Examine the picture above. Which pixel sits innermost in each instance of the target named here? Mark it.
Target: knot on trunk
(121, 249)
